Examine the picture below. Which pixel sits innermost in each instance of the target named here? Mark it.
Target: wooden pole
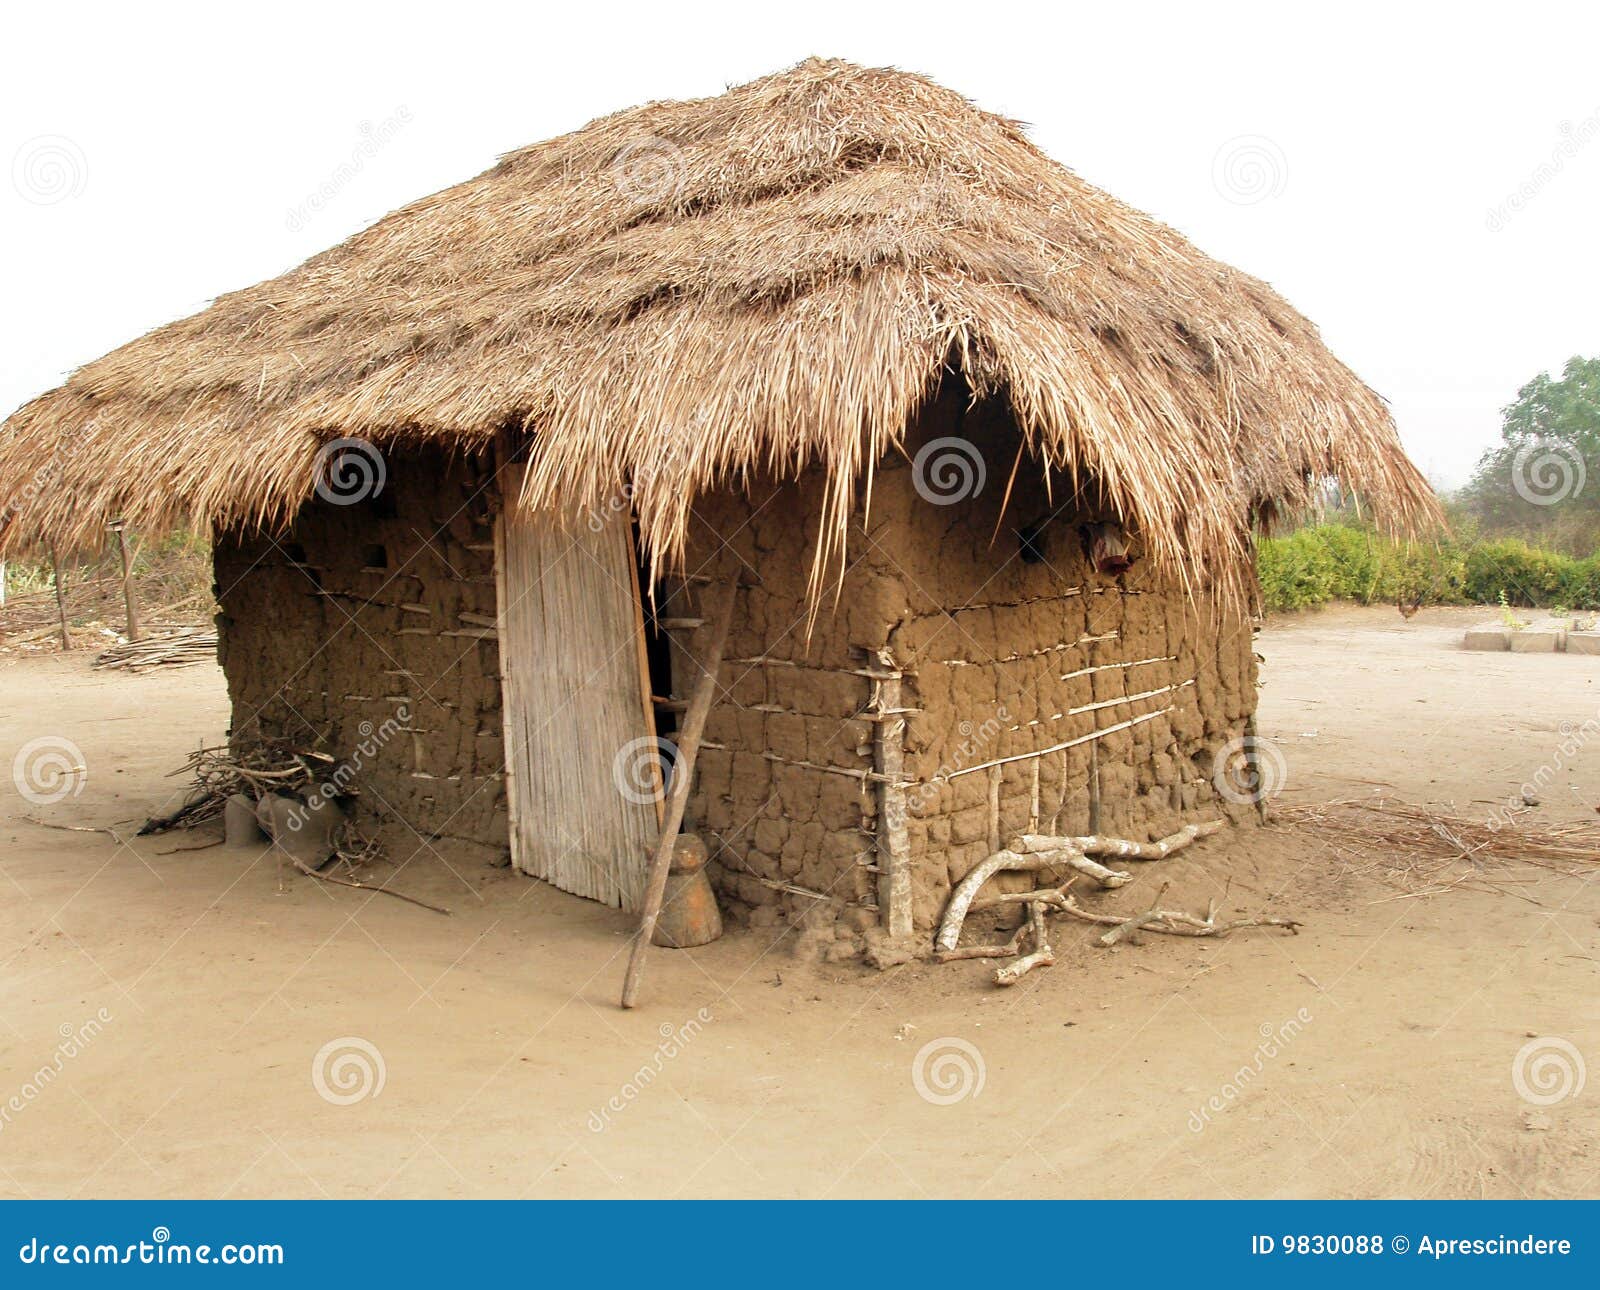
(894, 844)
(130, 598)
(708, 660)
(61, 598)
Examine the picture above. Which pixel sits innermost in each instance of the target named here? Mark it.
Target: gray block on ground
(1533, 640)
(1489, 636)
(240, 827)
(305, 833)
(1583, 642)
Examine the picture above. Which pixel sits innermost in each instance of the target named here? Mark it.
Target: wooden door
(582, 768)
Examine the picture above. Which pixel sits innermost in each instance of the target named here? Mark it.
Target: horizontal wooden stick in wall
(1104, 703)
(1112, 667)
(1054, 748)
(1033, 653)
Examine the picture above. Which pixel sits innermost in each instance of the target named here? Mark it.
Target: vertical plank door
(582, 779)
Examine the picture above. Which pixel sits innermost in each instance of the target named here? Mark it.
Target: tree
(1542, 480)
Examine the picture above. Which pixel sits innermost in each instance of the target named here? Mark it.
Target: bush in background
(1324, 562)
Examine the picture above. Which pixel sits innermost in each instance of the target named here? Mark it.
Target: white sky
(1390, 136)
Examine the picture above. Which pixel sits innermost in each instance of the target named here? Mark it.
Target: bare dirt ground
(1371, 1055)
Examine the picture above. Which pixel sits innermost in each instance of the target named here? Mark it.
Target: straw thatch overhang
(684, 293)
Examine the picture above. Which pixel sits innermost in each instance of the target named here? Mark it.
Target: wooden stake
(130, 597)
(894, 843)
(61, 599)
(694, 723)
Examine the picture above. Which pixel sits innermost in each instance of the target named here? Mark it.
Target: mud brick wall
(372, 624)
(1000, 651)
(985, 639)
(780, 790)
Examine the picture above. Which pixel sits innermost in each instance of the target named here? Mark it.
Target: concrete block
(1583, 642)
(1536, 640)
(305, 833)
(240, 827)
(1489, 636)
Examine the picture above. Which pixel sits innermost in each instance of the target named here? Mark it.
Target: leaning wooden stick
(694, 723)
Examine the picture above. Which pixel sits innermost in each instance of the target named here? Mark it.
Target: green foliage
(1542, 482)
(1344, 562)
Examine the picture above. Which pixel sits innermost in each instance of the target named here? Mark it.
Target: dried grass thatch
(682, 294)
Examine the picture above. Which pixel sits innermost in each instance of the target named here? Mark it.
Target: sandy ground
(1371, 1055)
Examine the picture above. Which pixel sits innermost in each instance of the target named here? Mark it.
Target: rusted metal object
(689, 913)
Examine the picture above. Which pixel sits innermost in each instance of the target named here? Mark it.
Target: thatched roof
(685, 292)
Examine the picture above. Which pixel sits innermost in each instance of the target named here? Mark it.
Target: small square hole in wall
(374, 557)
(294, 553)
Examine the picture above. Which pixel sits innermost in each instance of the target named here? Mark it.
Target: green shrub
(1347, 562)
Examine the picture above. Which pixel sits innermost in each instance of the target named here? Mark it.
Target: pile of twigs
(218, 773)
(1424, 852)
(171, 649)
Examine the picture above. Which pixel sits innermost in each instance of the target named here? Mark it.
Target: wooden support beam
(708, 659)
(893, 838)
(130, 594)
(61, 598)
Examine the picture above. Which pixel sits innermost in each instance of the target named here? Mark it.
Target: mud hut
(984, 447)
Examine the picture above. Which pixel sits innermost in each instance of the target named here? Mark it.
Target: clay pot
(689, 913)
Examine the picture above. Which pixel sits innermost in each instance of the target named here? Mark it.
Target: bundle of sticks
(1031, 853)
(218, 773)
(177, 648)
